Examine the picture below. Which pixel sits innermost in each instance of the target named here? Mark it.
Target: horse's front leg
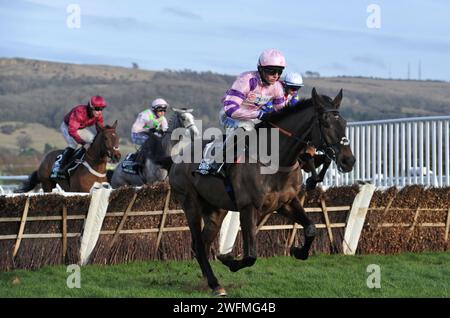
(313, 179)
(248, 218)
(295, 211)
(325, 161)
(311, 165)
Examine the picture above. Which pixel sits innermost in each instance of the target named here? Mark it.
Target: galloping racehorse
(155, 149)
(256, 194)
(90, 170)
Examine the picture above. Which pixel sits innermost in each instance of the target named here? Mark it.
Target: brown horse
(315, 121)
(93, 168)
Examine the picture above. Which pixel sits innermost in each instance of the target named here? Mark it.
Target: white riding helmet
(159, 103)
(293, 79)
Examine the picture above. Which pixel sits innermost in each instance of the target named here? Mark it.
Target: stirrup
(218, 171)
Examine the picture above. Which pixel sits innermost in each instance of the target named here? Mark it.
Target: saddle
(208, 165)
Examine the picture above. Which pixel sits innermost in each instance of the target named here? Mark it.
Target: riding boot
(208, 164)
(58, 171)
(211, 166)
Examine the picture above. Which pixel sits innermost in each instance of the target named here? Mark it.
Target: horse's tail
(30, 184)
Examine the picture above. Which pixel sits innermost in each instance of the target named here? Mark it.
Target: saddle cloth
(129, 165)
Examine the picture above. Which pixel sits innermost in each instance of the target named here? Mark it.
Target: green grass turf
(404, 275)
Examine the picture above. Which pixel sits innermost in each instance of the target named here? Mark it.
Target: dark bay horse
(206, 198)
(93, 168)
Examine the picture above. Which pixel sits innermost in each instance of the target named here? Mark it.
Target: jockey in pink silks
(243, 102)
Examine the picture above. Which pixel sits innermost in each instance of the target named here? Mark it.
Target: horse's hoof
(299, 253)
(225, 258)
(219, 292)
(310, 184)
(235, 266)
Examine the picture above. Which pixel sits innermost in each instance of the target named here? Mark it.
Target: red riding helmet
(97, 102)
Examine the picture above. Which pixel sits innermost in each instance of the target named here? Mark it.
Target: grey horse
(156, 148)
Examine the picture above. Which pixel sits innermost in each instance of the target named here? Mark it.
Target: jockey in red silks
(74, 130)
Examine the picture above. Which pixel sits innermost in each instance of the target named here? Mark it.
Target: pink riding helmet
(272, 57)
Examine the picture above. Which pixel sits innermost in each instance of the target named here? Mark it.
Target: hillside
(42, 92)
(22, 146)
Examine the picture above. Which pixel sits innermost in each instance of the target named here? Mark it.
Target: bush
(7, 129)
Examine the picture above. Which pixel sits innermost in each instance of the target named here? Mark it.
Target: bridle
(318, 140)
(329, 149)
(107, 151)
(179, 122)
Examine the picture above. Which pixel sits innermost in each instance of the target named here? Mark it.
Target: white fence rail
(13, 183)
(398, 152)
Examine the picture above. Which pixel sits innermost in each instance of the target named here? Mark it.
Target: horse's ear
(314, 93)
(114, 126)
(338, 99)
(176, 109)
(189, 110)
(317, 100)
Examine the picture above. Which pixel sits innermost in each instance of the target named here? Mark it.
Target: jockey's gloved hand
(267, 108)
(262, 115)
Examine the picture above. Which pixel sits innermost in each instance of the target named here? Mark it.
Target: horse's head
(186, 120)
(108, 141)
(330, 137)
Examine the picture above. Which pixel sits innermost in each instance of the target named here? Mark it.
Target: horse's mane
(151, 148)
(172, 121)
(300, 106)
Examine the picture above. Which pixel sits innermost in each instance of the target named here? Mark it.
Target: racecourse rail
(398, 152)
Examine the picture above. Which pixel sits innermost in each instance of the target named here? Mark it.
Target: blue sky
(329, 37)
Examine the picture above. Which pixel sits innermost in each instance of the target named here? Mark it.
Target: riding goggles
(273, 70)
(293, 88)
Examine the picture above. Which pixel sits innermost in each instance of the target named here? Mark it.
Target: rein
(329, 148)
(289, 133)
